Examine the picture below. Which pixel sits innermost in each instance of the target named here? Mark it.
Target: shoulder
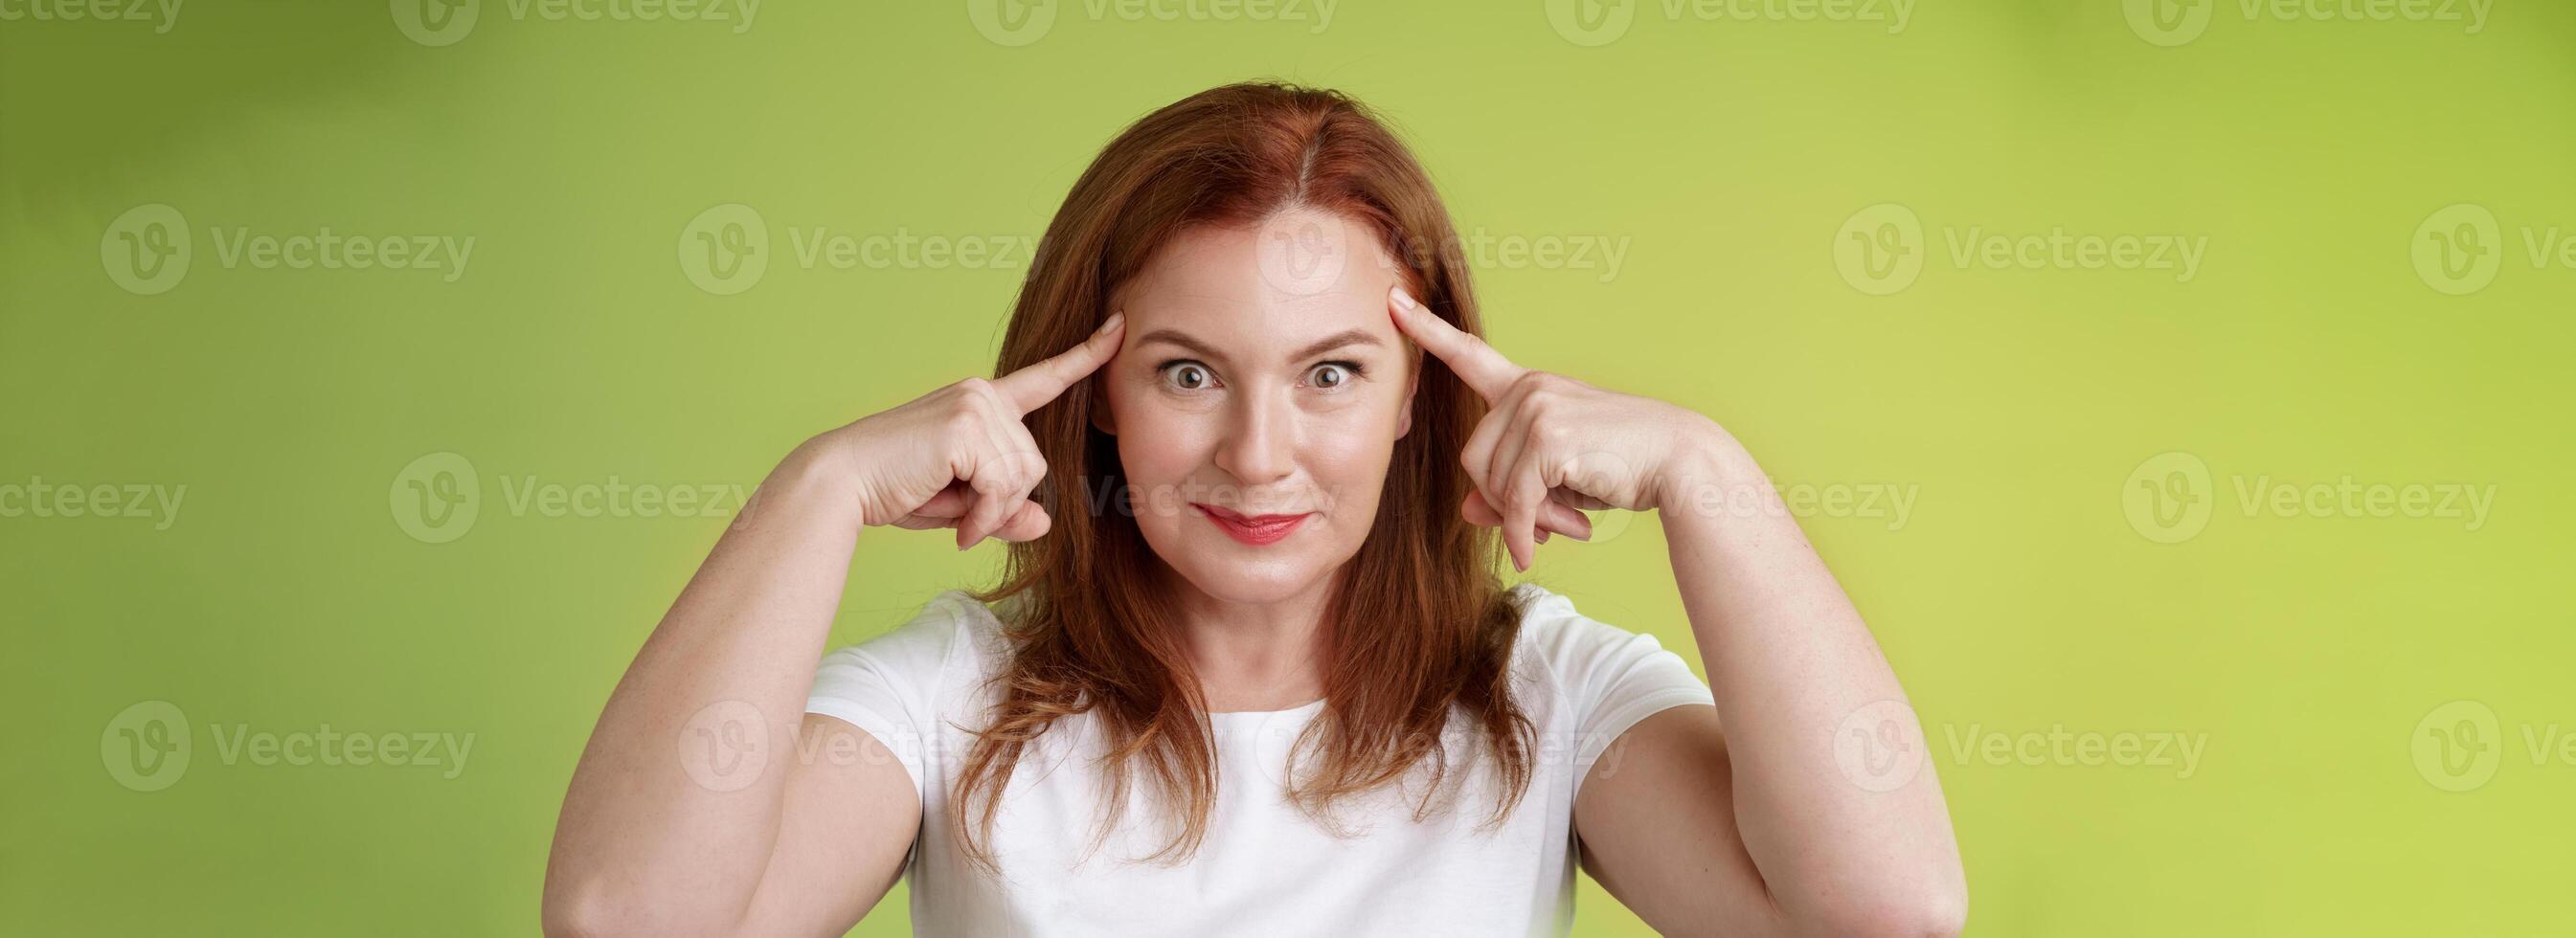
(1602, 675)
(952, 634)
(1565, 641)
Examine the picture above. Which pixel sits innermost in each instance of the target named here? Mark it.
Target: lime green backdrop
(2180, 390)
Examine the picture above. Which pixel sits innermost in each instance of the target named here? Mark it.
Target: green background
(2021, 595)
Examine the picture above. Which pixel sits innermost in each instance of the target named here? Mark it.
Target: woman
(1250, 670)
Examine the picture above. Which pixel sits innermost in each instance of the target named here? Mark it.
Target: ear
(1101, 419)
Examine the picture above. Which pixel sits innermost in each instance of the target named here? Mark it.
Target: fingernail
(1404, 300)
(1542, 537)
(1113, 321)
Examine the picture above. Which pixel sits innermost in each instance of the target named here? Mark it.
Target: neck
(1255, 655)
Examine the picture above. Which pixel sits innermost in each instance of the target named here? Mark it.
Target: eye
(1331, 376)
(1185, 375)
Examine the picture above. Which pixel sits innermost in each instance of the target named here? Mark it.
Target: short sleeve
(889, 685)
(1612, 678)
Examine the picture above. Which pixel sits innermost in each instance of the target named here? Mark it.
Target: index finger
(1032, 387)
(1485, 370)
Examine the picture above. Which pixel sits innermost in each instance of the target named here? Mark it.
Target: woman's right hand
(959, 457)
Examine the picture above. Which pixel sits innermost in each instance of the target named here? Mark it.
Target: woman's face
(1261, 378)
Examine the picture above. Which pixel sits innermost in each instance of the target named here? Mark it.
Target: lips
(1255, 530)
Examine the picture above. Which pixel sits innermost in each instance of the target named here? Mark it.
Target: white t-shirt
(1265, 868)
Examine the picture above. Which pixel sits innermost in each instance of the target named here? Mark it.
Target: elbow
(587, 913)
(1929, 913)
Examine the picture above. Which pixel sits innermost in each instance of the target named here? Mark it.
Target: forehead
(1264, 288)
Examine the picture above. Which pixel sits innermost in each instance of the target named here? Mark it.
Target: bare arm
(1751, 796)
(655, 838)
(1740, 819)
(694, 811)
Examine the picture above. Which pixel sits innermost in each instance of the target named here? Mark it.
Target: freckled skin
(1247, 428)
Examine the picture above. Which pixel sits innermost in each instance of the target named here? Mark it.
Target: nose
(1259, 446)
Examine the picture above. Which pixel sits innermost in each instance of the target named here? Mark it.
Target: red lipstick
(1255, 530)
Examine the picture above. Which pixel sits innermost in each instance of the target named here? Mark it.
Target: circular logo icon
(1012, 22)
(2168, 497)
(1303, 253)
(725, 746)
(146, 747)
(2168, 23)
(725, 249)
(2457, 250)
(436, 22)
(2457, 746)
(146, 249)
(436, 498)
(1879, 249)
(1880, 746)
(1591, 22)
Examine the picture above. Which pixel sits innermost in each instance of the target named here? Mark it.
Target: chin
(1235, 573)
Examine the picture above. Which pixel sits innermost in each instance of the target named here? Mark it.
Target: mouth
(1255, 530)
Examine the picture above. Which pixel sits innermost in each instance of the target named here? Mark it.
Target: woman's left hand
(1549, 438)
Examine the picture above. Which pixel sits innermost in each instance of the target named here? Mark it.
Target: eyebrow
(1320, 346)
